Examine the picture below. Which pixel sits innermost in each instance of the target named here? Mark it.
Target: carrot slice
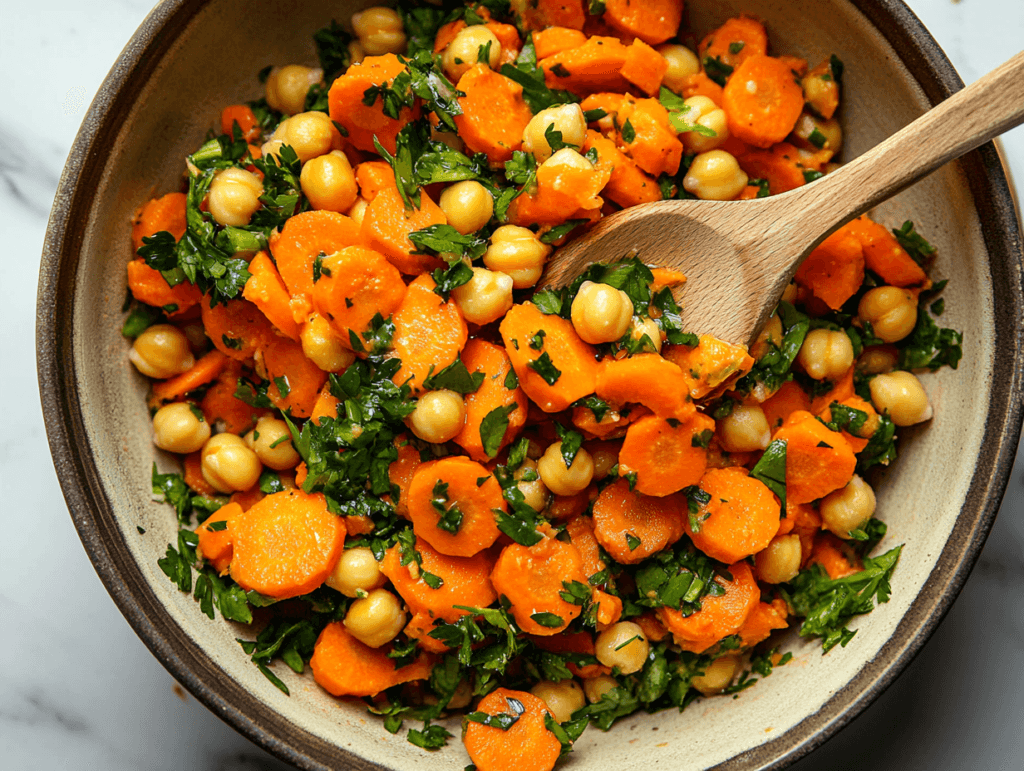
(834, 271)
(573, 642)
(857, 443)
(665, 457)
(788, 399)
(780, 164)
(466, 581)
(215, 545)
(305, 236)
(818, 461)
(540, 14)
(762, 621)
(653, 21)
(159, 214)
(631, 526)
(455, 483)
(719, 616)
(699, 84)
(494, 393)
(553, 40)
(199, 374)
(613, 423)
(355, 284)
(735, 41)
(581, 535)
(494, 113)
(840, 390)
(374, 176)
(220, 404)
(267, 291)
(365, 122)
(326, 405)
(710, 363)
(237, 328)
(508, 36)
(564, 506)
(191, 466)
(834, 556)
(647, 379)
(243, 115)
(248, 498)
(387, 225)
(343, 666)
(762, 100)
(149, 286)
(654, 146)
(527, 745)
(644, 67)
(561, 191)
(627, 184)
(741, 518)
(295, 381)
(532, 577)
(594, 66)
(401, 472)
(883, 253)
(429, 333)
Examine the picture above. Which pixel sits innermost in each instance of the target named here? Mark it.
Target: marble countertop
(80, 691)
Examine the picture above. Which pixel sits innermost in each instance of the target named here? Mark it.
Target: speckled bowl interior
(191, 58)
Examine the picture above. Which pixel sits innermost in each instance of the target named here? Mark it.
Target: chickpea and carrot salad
(441, 489)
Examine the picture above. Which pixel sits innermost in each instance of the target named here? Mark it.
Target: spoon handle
(985, 109)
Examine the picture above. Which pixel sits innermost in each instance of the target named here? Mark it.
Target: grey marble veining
(78, 690)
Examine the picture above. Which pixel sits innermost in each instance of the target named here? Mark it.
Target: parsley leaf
(771, 469)
(716, 69)
(544, 367)
(493, 428)
(455, 377)
(526, 73)
(571, 443)
(919, 249)
(930, 346)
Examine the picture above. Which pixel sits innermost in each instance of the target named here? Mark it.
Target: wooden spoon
(738, 256)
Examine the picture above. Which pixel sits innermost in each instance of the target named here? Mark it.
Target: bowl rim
(94, 517)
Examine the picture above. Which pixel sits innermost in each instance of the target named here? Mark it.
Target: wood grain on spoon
(739, 256)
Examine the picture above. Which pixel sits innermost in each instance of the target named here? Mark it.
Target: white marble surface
(78, 690)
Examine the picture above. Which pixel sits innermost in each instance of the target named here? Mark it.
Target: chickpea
(228, 464)
(329, 182)
(891, 311)
(467, 205)
(161, 351)
(562, 698)
(826, 354)
(772, 333)
(358, 211)
(848, 508)
(472, 45)
(902, 396)
(272, 147)
(682, 63)
(287, 87)
(780, 560)
(596, 687)
(322, 346)
(567, 119)
(622, 645)
(715, 176)
(811, 133)
(704, 112)
(604, 458)
(310, 135)
(789, 294)
(177, 428)
(601, 313)
(561, 480)
(534, 491)
(646, 326)
(234, 196)
(438, 417)
(877, 360)
(356, 572)
(463, 695)
(380, 31)
(745, 429)
(717, 676)
(272, 442)
(448, 138)
(518, 253)
(376, 619)
(484, 298)
(567, 158)
(356, 52)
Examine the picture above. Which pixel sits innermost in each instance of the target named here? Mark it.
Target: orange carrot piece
(655, 522)
(581, 535)
(401, 472)
(191, 466)
(466, 581)
(647, 379)
(374, 176)
(573, 642)
(666, 277)
(883, 253)
(159, 214)
(494, 114)
(741, 518)
(446, 34)
(220, 404)
(840, 390)
(199, 374)
(654, 147)
(653, 21)
(365, 122)
(762, 621)
(609, 608)
(860, 441)
(326, 405)
(343, 666)
(699, 84)
(834, 556)
(719, 616)
(795, 63)
(710, 363)
(305, 236)
(477, 502)
(594, 66)
(553, 40)
(237, 328)
(788, 399)
(834, 271)
(570, 356)
(355, 284)
(387, 225)
(267, 291)
(481, 356)
(564, 506)
(527, 746)
(243, 115)
(665, 457)
(735, 41)
(644, 67)
(627, 184)
(780, 165)
(419, 628)
(508, 36)
(540, 14)
(821, 89)
(215, 545)
(766, 113)
(248, 498)
(613, 423)
(286, 545)
(149, 286)
(818, 461)
(561, 191)
(531, 578)
(295, 381)
(429, 333)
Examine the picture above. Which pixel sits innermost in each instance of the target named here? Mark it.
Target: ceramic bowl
(167, 89)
